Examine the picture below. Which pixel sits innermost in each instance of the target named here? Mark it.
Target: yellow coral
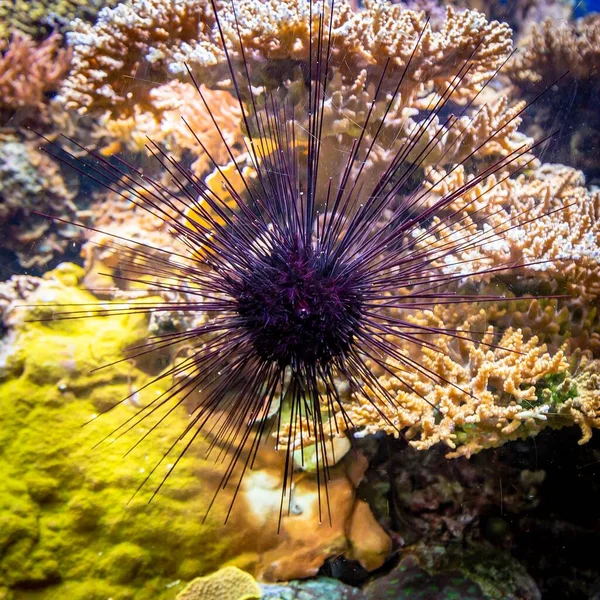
(50, 373)
(229, 583)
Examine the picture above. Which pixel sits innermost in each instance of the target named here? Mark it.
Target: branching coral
(488, 395)
(549, 221)
(567, 55)
(522, 15)
(146, 39)
(29, 71)
(491, 389)
(434, 9)
(555, 322)
(584, 405)
(151, 35)
(31, 181)
(126, 41)
(570, 49)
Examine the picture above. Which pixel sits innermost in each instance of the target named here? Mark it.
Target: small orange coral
(119, 226)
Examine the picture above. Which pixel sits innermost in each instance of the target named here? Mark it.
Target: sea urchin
(302, 266)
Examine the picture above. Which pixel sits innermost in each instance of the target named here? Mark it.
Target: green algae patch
(70, 526)
(555, 390)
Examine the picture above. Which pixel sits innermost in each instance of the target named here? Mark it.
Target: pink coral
(29, 70)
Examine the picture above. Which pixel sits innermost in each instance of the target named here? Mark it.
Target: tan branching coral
(478, 390)
(553, 321)
(563, 58)
(131, 38)
(496, 397)
(584, 407)
(545, 221)
(28, 71)
(153, 38)
(156, 34)
(364, 42)
(522, 15)
(481, 394)
(569, 50)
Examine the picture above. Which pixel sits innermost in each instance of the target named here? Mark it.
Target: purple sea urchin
(300, 268)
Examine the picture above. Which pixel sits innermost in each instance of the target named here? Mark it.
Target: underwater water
(299, 300)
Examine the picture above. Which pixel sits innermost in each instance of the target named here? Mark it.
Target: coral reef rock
(38, 17)
(31, 181)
